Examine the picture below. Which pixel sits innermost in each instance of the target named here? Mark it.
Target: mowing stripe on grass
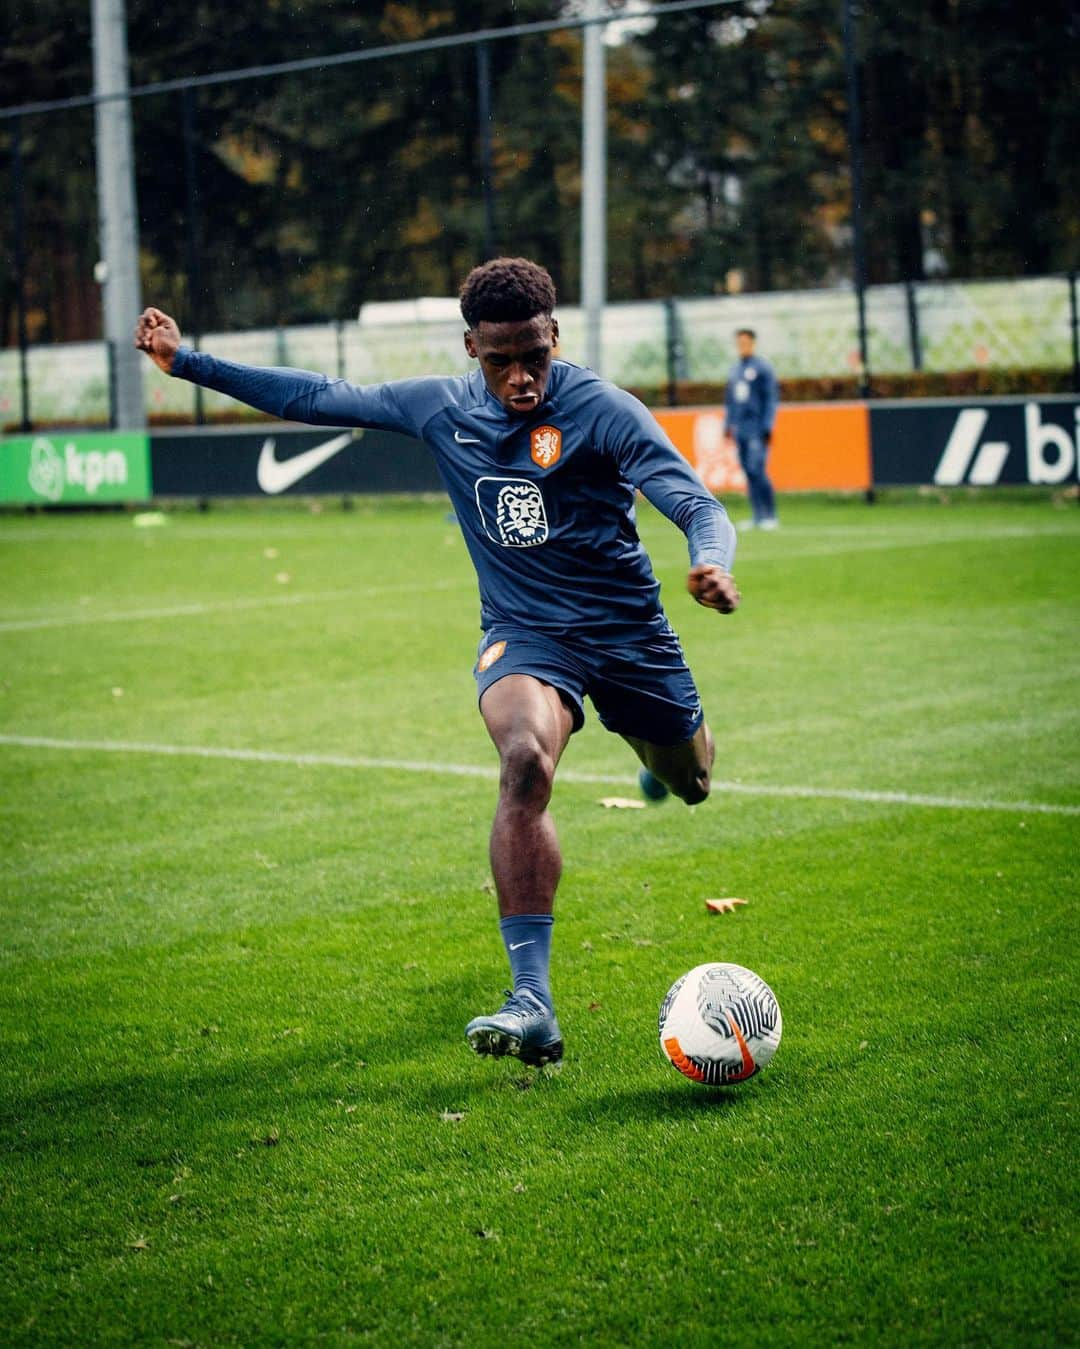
(566, 775)
(217, 607)
(198, 609)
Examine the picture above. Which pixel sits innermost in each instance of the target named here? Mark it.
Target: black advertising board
(975, 442)
(279, 461)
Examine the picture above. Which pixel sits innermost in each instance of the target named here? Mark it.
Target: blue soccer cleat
(523, 1028)
(651, 786)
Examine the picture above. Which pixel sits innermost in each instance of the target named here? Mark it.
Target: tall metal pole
(118, 222)
(1074, 325)
(20, 270)
(594, 187)
(487, 168)
(856, 155)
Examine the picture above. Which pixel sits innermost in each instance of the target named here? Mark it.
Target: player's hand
(157, 334)
(713, 587)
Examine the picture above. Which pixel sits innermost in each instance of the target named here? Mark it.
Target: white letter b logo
(1040, 435)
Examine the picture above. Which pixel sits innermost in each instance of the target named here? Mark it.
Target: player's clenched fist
(713, 587)
(157, 334)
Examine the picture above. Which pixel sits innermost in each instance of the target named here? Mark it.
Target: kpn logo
(75, 469)
(89, 470)
(1052, 454)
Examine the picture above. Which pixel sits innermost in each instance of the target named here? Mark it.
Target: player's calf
(684, 770)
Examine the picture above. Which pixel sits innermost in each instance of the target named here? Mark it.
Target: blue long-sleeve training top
(545, 502)
(751, 397)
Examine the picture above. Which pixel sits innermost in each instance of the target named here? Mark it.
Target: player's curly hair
(506, 290)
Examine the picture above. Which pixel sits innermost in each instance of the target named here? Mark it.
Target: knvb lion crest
(512, 511)
(546, 445)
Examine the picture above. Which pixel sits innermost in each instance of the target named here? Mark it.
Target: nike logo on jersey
(517, 945)
(278, 475)
(465, 440)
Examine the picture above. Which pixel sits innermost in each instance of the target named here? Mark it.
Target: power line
(364, 54)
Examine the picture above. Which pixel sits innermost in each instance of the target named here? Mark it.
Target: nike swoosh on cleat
(465, 440)
(278, 475)
(517, 945)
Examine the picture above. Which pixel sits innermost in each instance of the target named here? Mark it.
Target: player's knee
(527, 773)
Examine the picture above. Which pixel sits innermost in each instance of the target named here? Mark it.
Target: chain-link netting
(933, 326)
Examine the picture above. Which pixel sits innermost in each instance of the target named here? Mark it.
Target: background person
(751, 401)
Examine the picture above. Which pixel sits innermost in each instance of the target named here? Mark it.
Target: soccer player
(540, 459)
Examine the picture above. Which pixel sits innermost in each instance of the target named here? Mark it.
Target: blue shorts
(642, 689)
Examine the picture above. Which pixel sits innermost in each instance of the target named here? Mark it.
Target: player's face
(744, 345)
(516, 360)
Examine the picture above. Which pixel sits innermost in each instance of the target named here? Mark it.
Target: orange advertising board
(815, 446)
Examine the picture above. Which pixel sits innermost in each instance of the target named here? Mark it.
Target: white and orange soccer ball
(719, 1023)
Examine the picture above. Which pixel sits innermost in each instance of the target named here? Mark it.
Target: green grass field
(234, 988)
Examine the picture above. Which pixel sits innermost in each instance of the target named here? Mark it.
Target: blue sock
(528, 944)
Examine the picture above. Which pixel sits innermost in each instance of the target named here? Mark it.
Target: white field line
(489, 772)
(89, 619)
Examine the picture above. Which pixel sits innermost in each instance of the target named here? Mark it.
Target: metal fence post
(193, 232)
(851, 72)
(914, 336)
(110, 364)
(487, 169)
(673, 344)
(1074, 324)
(20, 271)
(339, 345)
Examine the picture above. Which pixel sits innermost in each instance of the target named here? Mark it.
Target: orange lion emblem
(546, 445)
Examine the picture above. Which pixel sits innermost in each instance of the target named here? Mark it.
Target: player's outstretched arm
(159, 336)
(297, 395)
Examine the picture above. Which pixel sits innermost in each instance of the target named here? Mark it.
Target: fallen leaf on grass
(723, 905)
(141, 1244)
(621, 803)
(594, 1006)
(485, 1234)
(519, 1188)
(452, 1116)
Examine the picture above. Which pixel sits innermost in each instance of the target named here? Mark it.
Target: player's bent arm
(649, 460)
(297, 395)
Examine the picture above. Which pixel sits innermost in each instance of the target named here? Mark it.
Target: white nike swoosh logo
(278, 475)
(465, 440)
(517, 945)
